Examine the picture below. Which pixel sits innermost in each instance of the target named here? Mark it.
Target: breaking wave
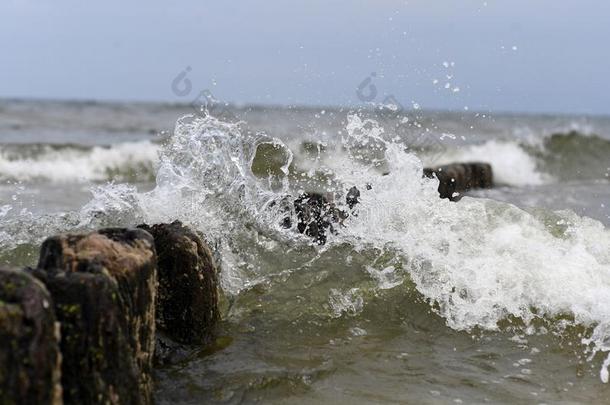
(552, 158)
(573, 156)
(477, 262)
(511, 163)
(133, 161)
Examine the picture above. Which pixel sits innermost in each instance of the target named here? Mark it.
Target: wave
(573, 155)
(477, 263)
(130, 161)
(536, 161)
(511, 163)
(556, 157)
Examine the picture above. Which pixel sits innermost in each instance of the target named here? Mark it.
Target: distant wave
(557, 157)
(132, 161)
(511, 164)
(573, 156)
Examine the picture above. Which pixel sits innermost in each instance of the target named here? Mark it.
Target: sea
(501, 297)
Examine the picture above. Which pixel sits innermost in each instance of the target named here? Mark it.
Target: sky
(509, 55)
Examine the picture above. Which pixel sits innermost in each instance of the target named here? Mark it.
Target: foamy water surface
(415, 298)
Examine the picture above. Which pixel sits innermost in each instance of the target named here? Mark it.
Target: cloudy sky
(510, 55)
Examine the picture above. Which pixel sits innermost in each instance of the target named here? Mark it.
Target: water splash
(477, 262)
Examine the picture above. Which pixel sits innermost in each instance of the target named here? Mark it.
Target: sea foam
(78, 164)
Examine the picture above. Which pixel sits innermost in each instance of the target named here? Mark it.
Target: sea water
(501, 297)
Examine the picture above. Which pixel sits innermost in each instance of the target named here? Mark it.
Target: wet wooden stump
(103, 286)
(187, 295)
(29, 341)
(459, 177)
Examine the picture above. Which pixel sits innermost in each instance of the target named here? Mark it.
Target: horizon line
(309, 106)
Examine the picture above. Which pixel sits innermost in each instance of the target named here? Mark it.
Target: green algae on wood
(103, 285)
(29, 341)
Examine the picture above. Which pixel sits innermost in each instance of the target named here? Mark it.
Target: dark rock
(187, 295)
(313, 219)
(353, 196)
(317, 214)
(29, 341)
(103, 285)
(459, 177)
